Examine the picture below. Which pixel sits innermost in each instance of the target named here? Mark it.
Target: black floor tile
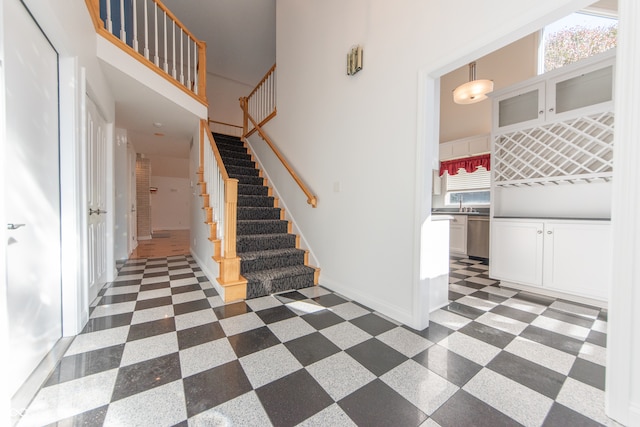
(191, 306)
(373, 324)
(215, 386)
(568, 318)
(597, 338)
(153, 303)
(310, 348)
(469, 284)
(434, 333)
(146, 375)
(184, 289)
(464, 310)
(454, 296)
(530, 374)
(211, 292)
(449, 365)
(535, 298)
(107, 322)
(182, 276)
(199, 335)
(116, 299)
(288, 297)
(489, 297)
(156, 274)
(604, 315)
(275, 314)
(588, 373)
(230, 310)
(377, 404)
(552, 339)
(376, 356)
(560, 416)
(154, 286)
(514, 313)
(487, 334)
(150, 329)
(84, 364)
(329, 300)
(457, 275)
(292, 399)
(462, 409)
(252, 341)
(322, 319)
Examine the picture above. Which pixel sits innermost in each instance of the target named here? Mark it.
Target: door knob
(15, 226)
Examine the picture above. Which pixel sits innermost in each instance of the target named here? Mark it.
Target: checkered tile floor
(161, 348)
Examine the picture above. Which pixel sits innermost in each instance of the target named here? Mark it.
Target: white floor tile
(205, 356)
(502, 323)
(149, 348)
(404, 341)
(583, 399)
(99, 339)
(268, 365)
(564, 328)
(340, 375)
(244, 410)
(541, 354)
(448, 319)
(471, 348)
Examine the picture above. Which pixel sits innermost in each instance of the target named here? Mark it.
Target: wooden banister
(266, 76)
(224, 123)
(311, 198)
(204, 123)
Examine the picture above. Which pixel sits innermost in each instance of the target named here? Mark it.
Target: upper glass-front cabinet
(578, 89)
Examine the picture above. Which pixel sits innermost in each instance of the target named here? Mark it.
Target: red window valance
(470, 164)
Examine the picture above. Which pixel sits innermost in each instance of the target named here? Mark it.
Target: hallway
(162, 349)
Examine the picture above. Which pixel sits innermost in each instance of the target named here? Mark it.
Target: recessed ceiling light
(157, 124)
(159, 134)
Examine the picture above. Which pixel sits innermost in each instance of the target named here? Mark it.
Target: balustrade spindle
(135, 26)
(166, 65)
(123, 33)
(181, 57)
(173, 52)
(109, 22)
(156, 58)
(146, 30)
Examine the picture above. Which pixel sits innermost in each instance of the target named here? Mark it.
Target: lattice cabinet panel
(579, 149)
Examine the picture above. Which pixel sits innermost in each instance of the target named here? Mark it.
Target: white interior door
(96, 199)
(32, 194)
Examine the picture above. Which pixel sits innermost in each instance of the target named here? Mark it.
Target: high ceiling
(240, 35)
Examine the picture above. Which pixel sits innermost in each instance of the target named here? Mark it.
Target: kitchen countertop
(455, 212)
(554, 218)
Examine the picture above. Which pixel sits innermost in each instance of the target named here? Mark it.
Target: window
(574, 37)
(470, 188)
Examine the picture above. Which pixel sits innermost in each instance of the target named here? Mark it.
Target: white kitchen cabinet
(570, 256)
(575, 90)
(577, 258)
(458, 235)
(516, 251)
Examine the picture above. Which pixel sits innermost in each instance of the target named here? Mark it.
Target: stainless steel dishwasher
(478, 236)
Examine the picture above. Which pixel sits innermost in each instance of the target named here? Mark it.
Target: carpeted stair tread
(243, 163)
(267, 260)
(227, 155)
(232, 148)
(255, 201)
(253, 190)
(250, 180)
(262, 242)
(245, 212)
(266, 282)
(241, 171)
(261, 226)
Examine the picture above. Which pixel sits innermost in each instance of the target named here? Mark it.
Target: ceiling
(241, 46)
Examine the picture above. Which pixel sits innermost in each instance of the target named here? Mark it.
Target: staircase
(270, 259)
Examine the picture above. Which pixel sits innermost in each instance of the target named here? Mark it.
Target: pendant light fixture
(474, 90)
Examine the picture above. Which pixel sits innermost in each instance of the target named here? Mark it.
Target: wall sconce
(354, 60)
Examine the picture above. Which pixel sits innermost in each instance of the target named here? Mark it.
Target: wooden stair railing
(165, 39)
(220, 202)
(260, 107)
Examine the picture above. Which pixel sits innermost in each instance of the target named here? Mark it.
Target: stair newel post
(230, 267)
(245, 115)
(202, 70)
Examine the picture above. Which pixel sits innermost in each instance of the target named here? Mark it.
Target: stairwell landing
(270, 258)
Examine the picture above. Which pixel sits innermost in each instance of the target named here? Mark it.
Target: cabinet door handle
(541, 112)
(551, 110)
(539, 231)
(549, 232)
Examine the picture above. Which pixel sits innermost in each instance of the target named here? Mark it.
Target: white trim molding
(622, 392)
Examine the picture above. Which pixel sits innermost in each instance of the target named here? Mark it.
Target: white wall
(223, 95)
(511, 64)
(170, 204)
(168, 166)
(363, 134)
(122, 188)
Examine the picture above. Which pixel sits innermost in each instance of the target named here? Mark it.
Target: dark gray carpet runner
(269, 259)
